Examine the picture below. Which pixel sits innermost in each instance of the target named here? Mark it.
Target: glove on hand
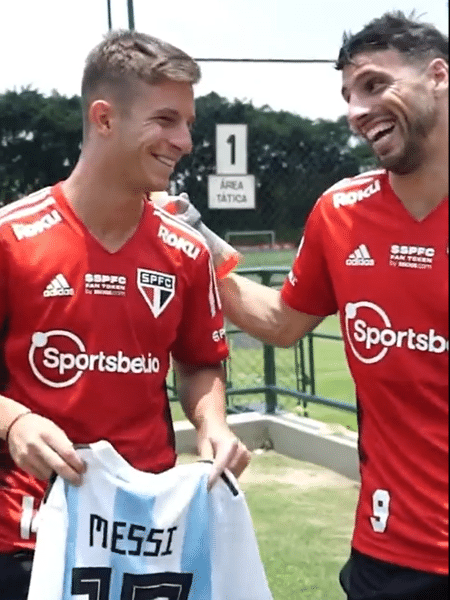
(225, 257)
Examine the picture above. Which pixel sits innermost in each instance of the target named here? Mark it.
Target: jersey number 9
(380, 501)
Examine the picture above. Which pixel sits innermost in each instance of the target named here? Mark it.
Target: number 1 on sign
(231, 149)
(232, 141)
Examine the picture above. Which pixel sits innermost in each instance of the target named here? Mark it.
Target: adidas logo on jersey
(360, 258)
(58, 287)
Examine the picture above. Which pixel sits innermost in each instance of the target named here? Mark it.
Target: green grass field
(303, 517)
(303, 514)
(333, 380)
(272, 258)
(303, 534)
(246, 366)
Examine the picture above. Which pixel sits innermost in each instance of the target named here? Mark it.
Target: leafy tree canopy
(293, 158)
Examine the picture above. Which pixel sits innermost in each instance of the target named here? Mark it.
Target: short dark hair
(126, 56)
(415, 40)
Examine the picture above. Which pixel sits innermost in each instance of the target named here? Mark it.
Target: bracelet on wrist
(13, 422)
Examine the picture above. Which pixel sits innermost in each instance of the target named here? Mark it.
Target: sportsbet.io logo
(59, 358)
(370, 334)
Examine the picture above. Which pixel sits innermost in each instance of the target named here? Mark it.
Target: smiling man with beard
(375, 250)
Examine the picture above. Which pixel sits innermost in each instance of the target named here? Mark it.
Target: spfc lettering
(157, 289)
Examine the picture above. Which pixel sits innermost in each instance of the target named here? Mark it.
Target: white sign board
(231, 149)
(231, 191)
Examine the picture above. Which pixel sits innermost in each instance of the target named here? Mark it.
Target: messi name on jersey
(130, 538)
(125, 534)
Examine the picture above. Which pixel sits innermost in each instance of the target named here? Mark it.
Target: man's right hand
(225, 257)
(40, 447)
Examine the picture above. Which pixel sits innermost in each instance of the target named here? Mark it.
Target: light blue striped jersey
(128, 535)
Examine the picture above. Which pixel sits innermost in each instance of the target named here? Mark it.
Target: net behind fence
(292, 158)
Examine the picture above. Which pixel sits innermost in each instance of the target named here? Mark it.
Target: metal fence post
(270, 379)
(304, 377)
(130, 14)
(312, 366)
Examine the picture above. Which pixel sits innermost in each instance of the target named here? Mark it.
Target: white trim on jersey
(123, 531)
(26, 201)
(27, 212)
(213, 294)
(357, 180)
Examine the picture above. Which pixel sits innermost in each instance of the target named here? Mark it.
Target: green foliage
(293, 158)
(39, 140)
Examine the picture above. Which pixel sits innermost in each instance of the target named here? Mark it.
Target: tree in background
(293, 158)
(39, 140)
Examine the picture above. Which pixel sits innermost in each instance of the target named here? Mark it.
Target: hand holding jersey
(158, 536)
(225, 450)
(40, 447)
(225, 257)
(199, 393)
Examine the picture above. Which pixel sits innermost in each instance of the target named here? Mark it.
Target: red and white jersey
(365, 256)
(89, 334)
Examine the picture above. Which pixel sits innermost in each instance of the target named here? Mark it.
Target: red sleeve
(3, 315)
(201, 334)
(308, 287)
(3, 285)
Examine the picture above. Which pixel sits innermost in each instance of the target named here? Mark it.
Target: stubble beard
(414, 152)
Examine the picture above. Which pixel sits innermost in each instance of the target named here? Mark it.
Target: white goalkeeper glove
(225, 257)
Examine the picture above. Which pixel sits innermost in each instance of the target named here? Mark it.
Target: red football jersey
(90, 334)
(364, 255)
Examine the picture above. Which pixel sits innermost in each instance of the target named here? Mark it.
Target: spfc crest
(157, 288)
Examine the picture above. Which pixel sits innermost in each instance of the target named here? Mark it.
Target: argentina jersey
(129, 535)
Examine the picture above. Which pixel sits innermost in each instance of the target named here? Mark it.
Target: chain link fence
(293, 160)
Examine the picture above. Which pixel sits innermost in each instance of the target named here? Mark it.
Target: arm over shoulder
(262, 312)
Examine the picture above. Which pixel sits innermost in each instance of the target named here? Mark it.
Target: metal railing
(303, 362)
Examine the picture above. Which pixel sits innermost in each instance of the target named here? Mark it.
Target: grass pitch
(246, 364)
(303, 514)
(303, 517)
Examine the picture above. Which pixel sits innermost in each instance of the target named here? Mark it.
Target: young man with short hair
(95, 299)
